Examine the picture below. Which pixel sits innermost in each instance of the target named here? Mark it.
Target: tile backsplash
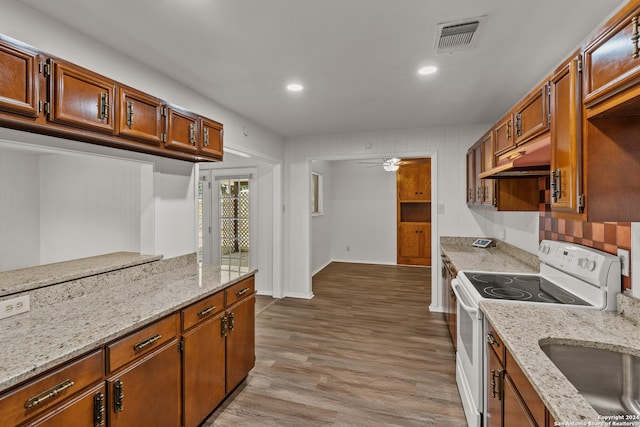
(604, 236)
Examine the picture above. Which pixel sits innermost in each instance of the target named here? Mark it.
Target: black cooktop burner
(521, 288)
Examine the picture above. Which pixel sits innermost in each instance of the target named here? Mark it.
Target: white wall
(19, 210)
(322, 225)
(364, 214)
(88, 206)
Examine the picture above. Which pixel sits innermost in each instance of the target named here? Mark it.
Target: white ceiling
(356, 58)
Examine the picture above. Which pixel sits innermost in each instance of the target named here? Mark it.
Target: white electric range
(570, 275)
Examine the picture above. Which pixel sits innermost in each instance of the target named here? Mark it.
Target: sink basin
(609, 380)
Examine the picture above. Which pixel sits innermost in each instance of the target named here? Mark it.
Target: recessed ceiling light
(427, 70)
(295, 87)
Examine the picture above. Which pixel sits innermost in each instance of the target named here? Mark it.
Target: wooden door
(87, 409)
(139, 116)
(19, 86)
(81, 98)
(240, 354)
(566, 139)
(203, 370)
(494, 390)
(182, 130)
(211, 134)
(503, 135)
(531, 116)
(148, 392)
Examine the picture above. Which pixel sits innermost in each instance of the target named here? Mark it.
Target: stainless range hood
(530, 160)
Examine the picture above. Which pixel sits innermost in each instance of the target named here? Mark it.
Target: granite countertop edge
(583, 327)
(50, 336)
(502, 257)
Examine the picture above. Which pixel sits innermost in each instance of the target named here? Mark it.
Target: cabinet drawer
(495, 342)
(202, 310)
(138, 343)
(47, 391)
(529, 395)
(239, 291)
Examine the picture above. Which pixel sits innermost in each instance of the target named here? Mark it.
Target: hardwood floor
(365, 351)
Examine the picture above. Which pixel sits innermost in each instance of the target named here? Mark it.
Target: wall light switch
(440, 209)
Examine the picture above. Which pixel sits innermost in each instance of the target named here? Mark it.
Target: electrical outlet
(14, 306)
(623, 254)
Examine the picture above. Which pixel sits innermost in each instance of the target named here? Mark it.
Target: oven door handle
(462, 298)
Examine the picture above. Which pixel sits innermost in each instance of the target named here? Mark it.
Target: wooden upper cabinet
(566, 139)
(211, 134)
(414, 181)
(139, 116)
(612, 60)
(503, 135)
(471, 176)
(18, 80)
(182, 130)
(531, 116)
(80, 98)
(488, 162)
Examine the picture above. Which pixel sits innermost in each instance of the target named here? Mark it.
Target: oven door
(469, 362)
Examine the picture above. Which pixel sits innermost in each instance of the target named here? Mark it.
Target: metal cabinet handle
(98, 409)
(206, 137)
(129, 113)
(496, 380)
(508, 130)
(242, 292)
(492, 340)
(635, 37)
(48, 394)
(146, 342)
(556, 191)
(223, 326)
(192, 133)
(519, 124)
(104, 105)
(232, 322)
(206, 311)
(118, 396)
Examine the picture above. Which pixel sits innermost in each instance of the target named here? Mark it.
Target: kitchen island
(74, 318)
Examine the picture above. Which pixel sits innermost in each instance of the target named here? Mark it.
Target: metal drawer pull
(118, 398)
(48, 394)
(492, 340)
(206, 311)
(98, 409)
(147, 342)
(635, 37)
(242, 292)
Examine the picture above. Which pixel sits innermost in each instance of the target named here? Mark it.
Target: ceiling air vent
(459, 35)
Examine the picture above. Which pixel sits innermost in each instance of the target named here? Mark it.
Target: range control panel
(588, 264)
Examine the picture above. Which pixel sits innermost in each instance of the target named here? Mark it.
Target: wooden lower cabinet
(147, 393)
(495, 395)
(87, 409)
(515, 409)
(414, 243)
(240, 357)
(203, 370)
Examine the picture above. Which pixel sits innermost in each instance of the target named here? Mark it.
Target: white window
(316, 194)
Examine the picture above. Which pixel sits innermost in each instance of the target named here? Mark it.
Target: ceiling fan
(390, 164)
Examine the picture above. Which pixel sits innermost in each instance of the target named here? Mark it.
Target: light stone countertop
(523, 327)
(500, 258)
(26, 279)
(47, 336)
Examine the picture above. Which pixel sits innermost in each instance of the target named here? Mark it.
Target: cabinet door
(477, 156)
(410, 240)
(488, 162)
(503, 135)
(240, 354)
(80, 98)
(204, 370)
(495, 390)
(18, 80)
(611, 61)
(148, 392)
(88, 409)
(139, 116)
(471, 177)
(515, 411)
(182, 130)
(566, 139)
(211, 134)
(531, 116)
(453, 316)
(408, 181)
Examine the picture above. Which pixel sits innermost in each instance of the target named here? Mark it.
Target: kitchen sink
(609, 380)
